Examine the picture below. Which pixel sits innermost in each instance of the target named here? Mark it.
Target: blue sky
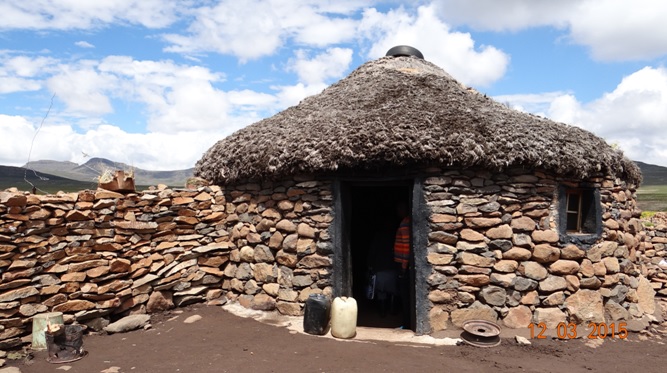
(155, 83)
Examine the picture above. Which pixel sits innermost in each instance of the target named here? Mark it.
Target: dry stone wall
(654, 252)
(99, 255)
(496, 253)
(493, 252)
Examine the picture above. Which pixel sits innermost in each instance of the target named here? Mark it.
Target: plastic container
(344, 317)
(39, 324)
(316, 314)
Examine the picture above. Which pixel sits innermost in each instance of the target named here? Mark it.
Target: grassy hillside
(14, 177)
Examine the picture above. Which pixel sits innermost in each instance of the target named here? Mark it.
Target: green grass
(652, 198)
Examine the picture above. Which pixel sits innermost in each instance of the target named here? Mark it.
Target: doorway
(372, 222)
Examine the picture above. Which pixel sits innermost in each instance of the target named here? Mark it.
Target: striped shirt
(402, 243)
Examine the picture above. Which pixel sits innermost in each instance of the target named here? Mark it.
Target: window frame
(587, 214)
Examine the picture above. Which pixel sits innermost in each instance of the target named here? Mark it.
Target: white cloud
(19, 73)
(83, 89)
(332, 63)
(612, 29)
(75, 14)
(453, 51)
(61, 142)
(84, 44)
(633, 115)
(254, 28)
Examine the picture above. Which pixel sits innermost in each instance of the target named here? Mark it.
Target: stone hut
(514, 217)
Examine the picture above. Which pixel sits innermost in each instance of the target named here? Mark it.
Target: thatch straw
(405, 112)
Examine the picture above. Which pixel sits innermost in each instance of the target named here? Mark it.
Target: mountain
(653, 175)
(89, 171)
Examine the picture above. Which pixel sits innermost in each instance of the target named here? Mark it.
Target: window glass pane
(572, 218)
(572, 202)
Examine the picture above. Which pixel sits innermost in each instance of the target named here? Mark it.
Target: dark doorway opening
(373, 222)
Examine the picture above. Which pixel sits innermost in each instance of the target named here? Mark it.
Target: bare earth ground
(222, 341)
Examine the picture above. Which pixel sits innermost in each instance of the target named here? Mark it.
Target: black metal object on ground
(65, 345)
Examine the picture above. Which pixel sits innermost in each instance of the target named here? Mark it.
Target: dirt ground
(229, 340)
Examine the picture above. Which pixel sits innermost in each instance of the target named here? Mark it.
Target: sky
(155, 83)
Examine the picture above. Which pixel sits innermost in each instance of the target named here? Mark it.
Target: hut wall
(496, 253)
(282, 249)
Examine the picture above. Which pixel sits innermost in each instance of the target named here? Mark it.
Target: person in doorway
(402, 259)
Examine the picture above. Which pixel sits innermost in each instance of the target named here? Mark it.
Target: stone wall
(654, 252)
(99, 255)
(493, 252)
(496, 253)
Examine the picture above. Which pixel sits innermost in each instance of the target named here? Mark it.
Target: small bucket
(66, 344)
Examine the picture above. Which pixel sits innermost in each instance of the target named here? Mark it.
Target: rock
(263, 302)
(573, 283)
(476, 311)
(502, 279)
(523, 223)
(443, 296)
(590, 283)
(533, 270)
(18, 294)
(530, 298)
(615, 311)
(545, 236)
(493, 295)
(470, 235)
(119, 265)
(553, 283)
(522, 341)
(554, 299)
(611, 264)
(564, 267)
(551, 316)
(572, 252)
(74, 305)
(475, 260)
(524, 284)
(473, 280)
(545, 253)
(128, 323)
(30, 309)
(517, 253)
(506, 266)
(518, 317)
(192, 319)
(439, 319)
(289, 308)
(159, 301)
(499, 232)
(646, 295)
(585, 306)
(636, 325)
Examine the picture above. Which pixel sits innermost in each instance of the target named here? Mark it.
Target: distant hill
(653, 175)
(11, 177)
(89, 171)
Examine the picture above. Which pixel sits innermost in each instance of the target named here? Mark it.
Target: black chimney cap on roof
(404, 50)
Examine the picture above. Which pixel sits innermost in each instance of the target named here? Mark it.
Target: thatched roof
(405, 112)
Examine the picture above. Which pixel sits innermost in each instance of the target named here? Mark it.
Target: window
(580, 211)
(580, 214)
